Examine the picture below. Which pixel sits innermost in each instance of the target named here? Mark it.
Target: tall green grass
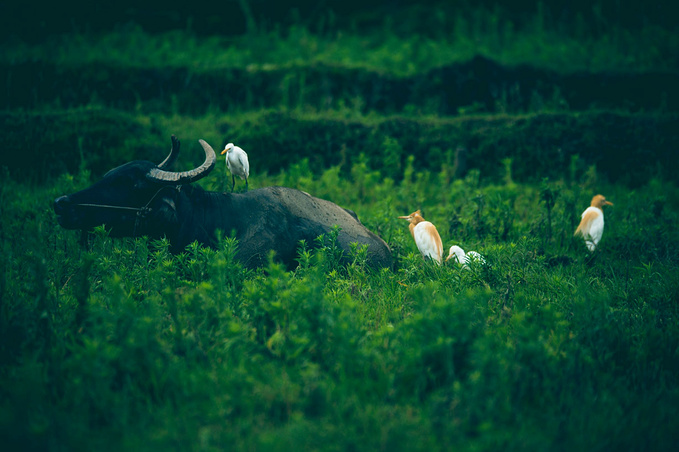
(119, 344)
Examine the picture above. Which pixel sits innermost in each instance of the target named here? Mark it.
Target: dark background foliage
(32, 19)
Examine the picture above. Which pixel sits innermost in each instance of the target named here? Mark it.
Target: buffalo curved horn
(186, 177)
(172, 156)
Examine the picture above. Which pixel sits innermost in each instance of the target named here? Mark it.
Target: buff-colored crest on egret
(237, 163)
(426, 236)
(591, 227)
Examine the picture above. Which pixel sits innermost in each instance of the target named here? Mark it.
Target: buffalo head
(127, 194)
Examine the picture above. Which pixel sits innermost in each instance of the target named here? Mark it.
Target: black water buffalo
(141, 198)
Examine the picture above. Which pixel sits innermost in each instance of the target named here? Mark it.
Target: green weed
(544, 346)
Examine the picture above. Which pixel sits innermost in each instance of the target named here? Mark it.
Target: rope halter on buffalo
(142, 212)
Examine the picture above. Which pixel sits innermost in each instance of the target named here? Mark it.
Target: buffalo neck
(202, 212)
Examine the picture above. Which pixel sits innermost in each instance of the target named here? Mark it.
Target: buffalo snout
(63, 208)
(61, 204)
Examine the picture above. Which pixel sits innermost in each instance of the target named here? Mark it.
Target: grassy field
(118, 344)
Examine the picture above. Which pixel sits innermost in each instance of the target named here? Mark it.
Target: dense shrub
(118, 343)
(626, 148)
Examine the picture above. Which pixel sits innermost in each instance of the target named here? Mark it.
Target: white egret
(458, 255)
(426, 236)
(473, 256)
(237, 163)
(591, 227)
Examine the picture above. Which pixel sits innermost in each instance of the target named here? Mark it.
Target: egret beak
(608, 203)
(407, 217)
(223, 152)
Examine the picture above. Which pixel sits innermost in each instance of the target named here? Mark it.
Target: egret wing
(243, 159)
(596, 229)
(428, 240)
(475, 258)
(588, 216)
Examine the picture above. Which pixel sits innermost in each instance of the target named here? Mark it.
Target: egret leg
(233, 182)
(246, 185)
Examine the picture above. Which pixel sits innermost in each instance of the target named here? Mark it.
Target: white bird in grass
(458, 255)
(591, 226)
(426, 236)
(237, 163)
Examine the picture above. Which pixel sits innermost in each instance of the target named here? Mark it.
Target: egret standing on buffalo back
(140, 198)
(237, 163)
(426, 236)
